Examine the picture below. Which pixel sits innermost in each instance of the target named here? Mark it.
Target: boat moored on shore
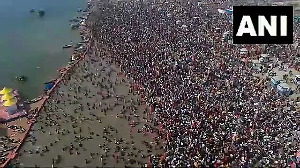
(68, 46)
(75, 26)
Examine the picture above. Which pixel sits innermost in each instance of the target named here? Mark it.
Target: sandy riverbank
(89, 121)
(18, 130)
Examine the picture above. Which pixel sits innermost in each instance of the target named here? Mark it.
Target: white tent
(221, 11)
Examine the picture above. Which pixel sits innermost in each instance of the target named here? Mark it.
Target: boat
(83, 17)
(74, 26)
(35, 100)
(41, 12)
(68, 46)
(74, 20)
(78, 45)
(21, 78)
(74, 57)
(32, 10)
(80, 48)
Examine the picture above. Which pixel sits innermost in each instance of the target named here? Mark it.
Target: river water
(31, 45)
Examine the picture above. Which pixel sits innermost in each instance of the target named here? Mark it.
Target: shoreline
(122, 76)
(166, 128)
(45, 98)
(64, 74)
(32, 117)
(36, 50)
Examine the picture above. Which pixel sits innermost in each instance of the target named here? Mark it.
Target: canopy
(7, 97)
(221, 11)
(10, 102)
(12, 109)
(228, 11)
(297, 19)
(49, 86)
(5, 90)
(284, 85)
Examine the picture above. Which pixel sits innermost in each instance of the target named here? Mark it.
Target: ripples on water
(28, 41)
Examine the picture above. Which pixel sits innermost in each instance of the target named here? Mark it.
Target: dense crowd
(210, 108)
(92, 118)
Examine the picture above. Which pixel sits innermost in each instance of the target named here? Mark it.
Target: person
(236, 123)
(161, 45)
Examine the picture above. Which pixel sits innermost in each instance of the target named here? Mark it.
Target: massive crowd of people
(91, 119)
(210, 109)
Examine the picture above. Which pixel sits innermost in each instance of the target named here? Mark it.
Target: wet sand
(88, 121)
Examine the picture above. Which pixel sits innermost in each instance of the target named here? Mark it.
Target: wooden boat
(41, 12)
(73, 58)
(33, 100)
(74, 20)
(68, 46)
(78, 45)
(36, 99)
(74, 26)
